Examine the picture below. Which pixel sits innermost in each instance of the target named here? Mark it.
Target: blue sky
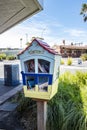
(60, 20)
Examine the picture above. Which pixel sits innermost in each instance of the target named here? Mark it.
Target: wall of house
(70, 51)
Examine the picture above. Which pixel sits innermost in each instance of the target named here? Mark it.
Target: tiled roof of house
(42, 44)
(73, 47)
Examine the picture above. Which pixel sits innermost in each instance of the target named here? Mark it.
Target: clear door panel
(30, 66)
(30, 82)
(43, 83)
(43, 66)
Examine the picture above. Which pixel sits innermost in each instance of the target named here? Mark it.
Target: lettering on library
(36, 52)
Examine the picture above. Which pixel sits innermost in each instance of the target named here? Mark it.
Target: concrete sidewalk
(72, 69)
(7, 92)
(8, 111)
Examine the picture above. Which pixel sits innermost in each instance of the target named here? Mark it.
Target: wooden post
(41, 115)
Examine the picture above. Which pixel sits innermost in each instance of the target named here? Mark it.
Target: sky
(59, 20)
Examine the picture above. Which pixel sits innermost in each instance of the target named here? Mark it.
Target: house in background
(72, 50)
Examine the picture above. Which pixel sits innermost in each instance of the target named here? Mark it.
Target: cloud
(76, 32)
(74, 35)
(53, 32)
(12, 37)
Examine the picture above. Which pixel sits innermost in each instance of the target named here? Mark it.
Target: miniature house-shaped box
(40, 69)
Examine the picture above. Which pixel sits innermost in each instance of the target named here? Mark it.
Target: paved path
(10, 93)
(8, 120)
(72, 69)
(7, 92)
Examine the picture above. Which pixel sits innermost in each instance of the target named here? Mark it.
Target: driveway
(74, 67)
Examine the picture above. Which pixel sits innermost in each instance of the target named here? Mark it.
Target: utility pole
(21, 42)
(43, 32)
(26, 38)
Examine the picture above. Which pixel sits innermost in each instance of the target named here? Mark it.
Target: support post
(41, 115)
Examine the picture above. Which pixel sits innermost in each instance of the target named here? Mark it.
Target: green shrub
(62, 62)
(2, 56)
(67, 110)
(10, 57)
(25, 104)
(69, 61)
(27, 113)
(84, 57)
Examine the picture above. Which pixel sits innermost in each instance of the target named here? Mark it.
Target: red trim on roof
(42, 44)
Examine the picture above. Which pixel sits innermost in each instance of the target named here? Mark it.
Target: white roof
(15, 11)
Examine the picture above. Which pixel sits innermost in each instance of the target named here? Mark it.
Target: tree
(84, 11)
